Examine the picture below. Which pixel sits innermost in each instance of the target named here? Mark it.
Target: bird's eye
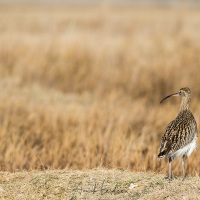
(180, 92)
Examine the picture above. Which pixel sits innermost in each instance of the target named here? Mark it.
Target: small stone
(132, 186)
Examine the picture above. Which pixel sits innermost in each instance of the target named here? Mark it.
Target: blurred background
(81, 82)
(105, 2)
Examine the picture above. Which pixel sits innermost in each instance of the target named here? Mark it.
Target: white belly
(188, 149)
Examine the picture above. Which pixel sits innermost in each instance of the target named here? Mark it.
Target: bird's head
(184, 93)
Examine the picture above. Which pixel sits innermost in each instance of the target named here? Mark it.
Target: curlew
(179, 138)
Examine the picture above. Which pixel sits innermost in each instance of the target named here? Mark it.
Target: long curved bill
(175, 94)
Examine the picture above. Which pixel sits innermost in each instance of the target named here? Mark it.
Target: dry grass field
(95, 184)
(98, 184)
(80, 87)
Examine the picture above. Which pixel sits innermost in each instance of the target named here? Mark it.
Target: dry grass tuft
(80, 87)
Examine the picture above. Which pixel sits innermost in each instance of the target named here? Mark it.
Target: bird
(180, 136)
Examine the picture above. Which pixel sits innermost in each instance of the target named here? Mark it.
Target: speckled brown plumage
(178, 133)
(179, 138)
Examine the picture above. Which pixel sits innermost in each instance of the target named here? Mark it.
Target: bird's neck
(185, 104)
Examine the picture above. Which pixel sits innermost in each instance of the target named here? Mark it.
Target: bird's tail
(161, 155)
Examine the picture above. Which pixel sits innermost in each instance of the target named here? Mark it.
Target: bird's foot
(169, 178)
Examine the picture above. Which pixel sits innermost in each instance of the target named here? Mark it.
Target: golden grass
(80, 87)
(95, 184)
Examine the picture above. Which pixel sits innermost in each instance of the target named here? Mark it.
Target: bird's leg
(170, 169)
(183, 166)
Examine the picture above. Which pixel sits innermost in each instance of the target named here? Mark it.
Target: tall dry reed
(80, 87)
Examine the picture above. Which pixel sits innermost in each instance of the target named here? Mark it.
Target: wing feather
(178, 133)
